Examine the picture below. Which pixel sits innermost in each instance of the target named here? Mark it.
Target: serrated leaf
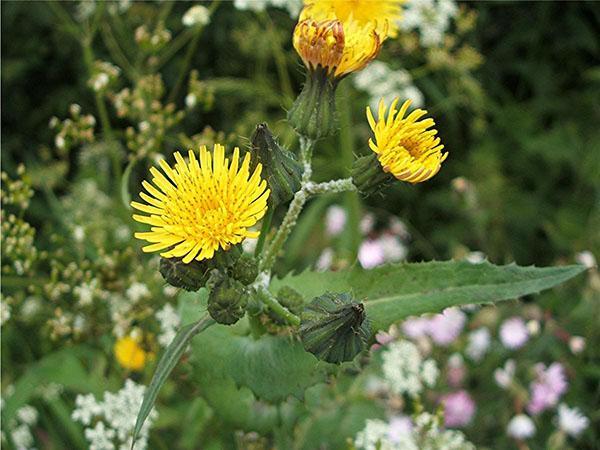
(272, 367)
(167, 362)
(395, 291)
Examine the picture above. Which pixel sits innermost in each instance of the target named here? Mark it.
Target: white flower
(374, 436)
(371, 253)
(78, 233)
(86, 408)
(22, 437)
(254, 5)
(576, 344)
(335, 220)
(430, 372)
(325, 260)
(430, 17)
(571, 420)
(367, 223)
(586, 258)
(137, 291)
(191, 100)
(520, 427)
(27, 414)
(478, 343)
(4, 312)
(60, 142)
(196, 15)
(100, 81)
(169, 322)
(393, 249)
(505, 375)
(100, 437)
(85, 292)
(475, 257)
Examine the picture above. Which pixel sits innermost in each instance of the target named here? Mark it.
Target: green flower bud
(290, 299)
(313, 113)
(335, 327)
(194, 275)
(280, 168)
(245, 270)
(368, 175)
(227, 302)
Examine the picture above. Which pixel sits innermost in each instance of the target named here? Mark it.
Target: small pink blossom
(459, 408)
(415, 327)
(514, 333)
(548, 387)
(399, 427)
(335, 220)
(456, 370)
(371, 254)
(446, 327)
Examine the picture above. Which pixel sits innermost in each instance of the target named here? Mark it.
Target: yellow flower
(201, 205)
(129, 354)
(405, 146)
(339, 48)
(384, 14)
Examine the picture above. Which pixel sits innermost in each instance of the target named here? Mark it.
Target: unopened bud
(245, 269)
(368, 176)
(227, 302)
(313, 113)
(280, 168)
(335, 327)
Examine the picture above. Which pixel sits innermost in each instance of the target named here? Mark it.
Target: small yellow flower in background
(384, 14)
(406, 147)
(129, 354)
(201, 206)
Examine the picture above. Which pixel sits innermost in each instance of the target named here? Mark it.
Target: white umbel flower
(196, 15)
(571, 420)
(404, 370)
(520, 427)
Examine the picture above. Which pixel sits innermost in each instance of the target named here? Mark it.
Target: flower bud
(313, 113)
(290, 299)
(245, 269)
(280, 168)
(368, 176)
(335, 327)
(227, 302)
(194, 275)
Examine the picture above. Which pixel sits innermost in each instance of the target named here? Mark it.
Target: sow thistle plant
(278, 337)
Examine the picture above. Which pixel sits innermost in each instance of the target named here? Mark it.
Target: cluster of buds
(104, 75)
(18, 249)
(199, 93)
(16, 192)
(152, 42)
(143, 105)
(78, 129)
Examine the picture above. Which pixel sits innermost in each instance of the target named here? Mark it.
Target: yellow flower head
(339, 48)
(405, 146)
(129, 354)
(201, 205)
(384, 14)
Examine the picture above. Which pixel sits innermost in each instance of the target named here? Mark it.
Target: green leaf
(272, 367)
(395, 291)
(63, 367)
(165, 365)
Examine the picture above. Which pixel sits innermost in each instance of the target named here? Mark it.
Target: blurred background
(93, 93)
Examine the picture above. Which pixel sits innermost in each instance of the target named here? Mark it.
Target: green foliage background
(522, 128)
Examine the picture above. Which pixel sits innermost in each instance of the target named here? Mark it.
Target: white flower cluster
(478, 343)
(292, 6)
(20, 428)
(196, 15)
(405, 371)
(571, 420)
(169, 322)
(422, 433)
(113, 418)
(430, 17)
(380, 81)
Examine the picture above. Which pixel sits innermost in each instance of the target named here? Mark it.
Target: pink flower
(548, 387)
(446, 327)
(459, 408)
(382, 338)
(371, 254)
(415, 327)
(514, 333)
(335, 220)
(456, 370)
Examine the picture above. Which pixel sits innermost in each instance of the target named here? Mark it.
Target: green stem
(266, 225)
(116, 53)
(351, 236)
(280, 63)
(270, 301)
